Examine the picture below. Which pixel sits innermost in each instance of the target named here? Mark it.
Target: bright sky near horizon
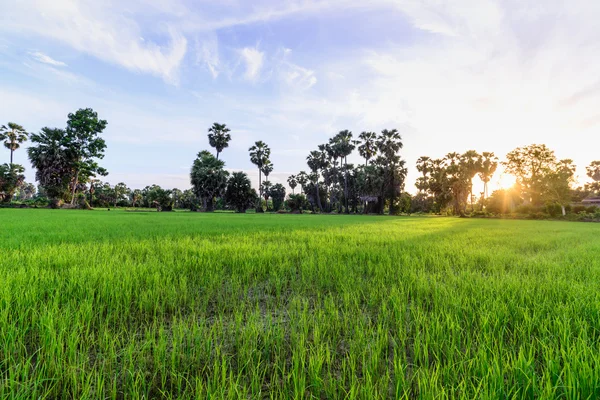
(453, 75)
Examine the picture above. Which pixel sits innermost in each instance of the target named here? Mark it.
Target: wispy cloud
(453, 75)
(254, 60)
(207, 53)
(46, 59)
(294, 75)
(100, 30)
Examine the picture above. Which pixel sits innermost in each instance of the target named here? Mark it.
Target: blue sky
(488, 75)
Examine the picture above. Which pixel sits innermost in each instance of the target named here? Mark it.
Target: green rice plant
(188, 305)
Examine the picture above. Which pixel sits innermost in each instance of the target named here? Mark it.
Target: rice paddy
(126, 305)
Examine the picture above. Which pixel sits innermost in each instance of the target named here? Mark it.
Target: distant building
(591, 201)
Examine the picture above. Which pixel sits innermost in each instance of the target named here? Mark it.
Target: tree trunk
(210, 205)
(75, 187)
(564, 211)
(471, 191)
(318, 197)
(259, 208)
(346, 184)
(392, 210)
(11, 156)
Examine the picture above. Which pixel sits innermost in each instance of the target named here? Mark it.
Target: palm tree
(389, 144)
(315, 160)
(13, 136)
(219, 137)
(472, 164)
(344, 145)
(292, 182)
(267, 169)
(136, 196)
(302, 179)
(266, 191)
(488, 163)
(259, 156)
(424, 167)
(367, 148)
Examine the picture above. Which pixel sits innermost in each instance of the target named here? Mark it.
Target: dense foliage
(67, 170)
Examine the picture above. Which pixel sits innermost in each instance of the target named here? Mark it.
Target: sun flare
(506, 181)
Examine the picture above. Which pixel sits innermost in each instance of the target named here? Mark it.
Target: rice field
(132, 305)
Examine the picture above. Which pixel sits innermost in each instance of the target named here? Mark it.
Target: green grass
(188, 305)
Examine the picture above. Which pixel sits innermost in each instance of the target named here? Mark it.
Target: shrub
(526, 209)
(537, 215)
(296, 203)
(578, 209)
(553, 209)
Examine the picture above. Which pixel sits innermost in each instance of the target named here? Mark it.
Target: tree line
(543, 182)
(68, 174)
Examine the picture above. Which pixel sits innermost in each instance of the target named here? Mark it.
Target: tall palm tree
(489, 164)
(302, 179)
(292, 182)
(13, 136)
(267, 169)
(344, 144)
(266, 188)
(367, 145)
(389, 143)
(259, 156)
(472, 164)
(315, 160)
(219, 137)
(424, 167)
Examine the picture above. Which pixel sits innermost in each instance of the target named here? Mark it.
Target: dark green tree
(121, 192)
(13, 135)
(219, 137)
(239, 194)
(302, 178)
(277, 194)
(160, 198)
(316, 160)
(208, 178)
(54, 163)
(259, 156)
(367, 145)
(84, 143)
(389, 143)
(265, 189)
(344, 145)
(292, 182)
(11, 178)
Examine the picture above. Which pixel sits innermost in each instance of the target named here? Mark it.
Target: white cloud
(43, 58)
(254, 60)
(293, 75)
(102, 29)
(484, 74)
(207, 53)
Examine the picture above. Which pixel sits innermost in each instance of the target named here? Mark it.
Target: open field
(130, 305)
